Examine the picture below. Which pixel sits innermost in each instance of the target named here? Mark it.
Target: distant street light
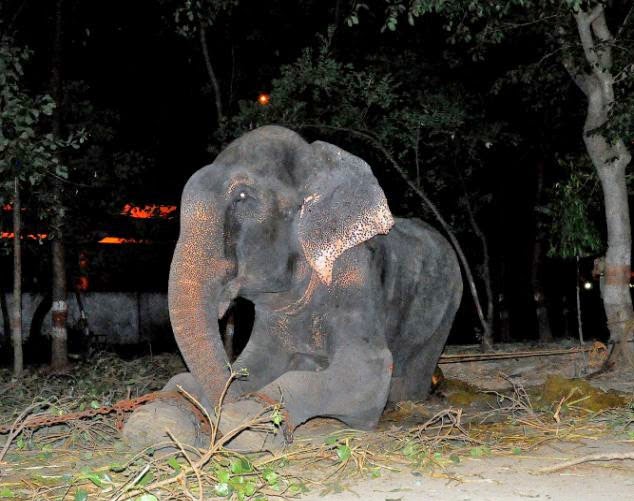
(263, 99)
(587, 285)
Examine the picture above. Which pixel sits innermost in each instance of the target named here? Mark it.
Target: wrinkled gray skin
(338, 345)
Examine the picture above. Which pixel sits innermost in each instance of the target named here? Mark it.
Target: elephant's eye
(243, 197)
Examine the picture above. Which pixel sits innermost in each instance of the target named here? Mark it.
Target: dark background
(136, 67)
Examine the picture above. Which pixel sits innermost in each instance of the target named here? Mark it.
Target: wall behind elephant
(113, 318)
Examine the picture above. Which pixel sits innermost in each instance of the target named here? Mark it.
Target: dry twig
(586, 459)
(20, 423)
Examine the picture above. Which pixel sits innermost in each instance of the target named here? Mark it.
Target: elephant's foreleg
(263, 359)
(353, 389)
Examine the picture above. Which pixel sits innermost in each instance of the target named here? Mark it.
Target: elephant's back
(422, 248)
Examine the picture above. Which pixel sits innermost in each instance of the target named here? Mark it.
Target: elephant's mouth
(236, 326)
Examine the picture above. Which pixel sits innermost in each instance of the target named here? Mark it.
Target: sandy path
(507, 478)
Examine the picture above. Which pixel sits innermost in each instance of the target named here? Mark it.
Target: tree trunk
(578, 294)
(59, 336)
(544, 331)
(16, 309)
(486, 342)
(59, 310)
(212, 74)
(610, 160)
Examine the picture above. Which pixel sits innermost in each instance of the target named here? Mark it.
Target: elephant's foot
(148, 426)
(235, 418)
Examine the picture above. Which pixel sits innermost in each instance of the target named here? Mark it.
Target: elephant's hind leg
(415, 368)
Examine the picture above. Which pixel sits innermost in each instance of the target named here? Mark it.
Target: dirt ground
(516, 476)
(507, 478)
(485, 434)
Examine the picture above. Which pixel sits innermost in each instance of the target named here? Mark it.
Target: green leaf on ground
(174, 464)
(270, 477)
(146, 479)
(343, 452)
(240, 465)
(81, 495)
(223, 490)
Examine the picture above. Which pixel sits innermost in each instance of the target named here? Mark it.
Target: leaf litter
(83, 459)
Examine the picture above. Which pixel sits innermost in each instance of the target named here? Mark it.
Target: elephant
(351, 307)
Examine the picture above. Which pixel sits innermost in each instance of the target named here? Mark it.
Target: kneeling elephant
(351, 307)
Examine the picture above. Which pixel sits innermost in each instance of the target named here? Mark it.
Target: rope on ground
(482, 357)
(128, 405)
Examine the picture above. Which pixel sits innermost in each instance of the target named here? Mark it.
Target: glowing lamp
(587, 285)
(82, 283)
(264, 99)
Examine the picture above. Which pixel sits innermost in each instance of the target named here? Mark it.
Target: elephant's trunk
(197, 274)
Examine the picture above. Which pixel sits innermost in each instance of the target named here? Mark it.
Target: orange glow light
(120, 240)
(82, 283)
(148, 211)
(264, 99)
(36, 236)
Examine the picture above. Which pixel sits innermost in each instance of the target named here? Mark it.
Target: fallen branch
(585, 459)
(21, 422)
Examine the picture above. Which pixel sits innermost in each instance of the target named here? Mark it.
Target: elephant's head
(269, 202)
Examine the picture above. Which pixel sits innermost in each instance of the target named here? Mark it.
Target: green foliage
(276, 417)
(477, 26)
(25, 151)
(28, 150)
(191, 15)
(572, 230)
(6, 493)
(480, 451)
(317, 85)
(343, 452)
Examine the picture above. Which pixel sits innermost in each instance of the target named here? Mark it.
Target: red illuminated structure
(9, 235)
(121, 240)
(148, 211)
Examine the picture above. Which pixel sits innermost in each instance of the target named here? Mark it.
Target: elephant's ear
(343, 206)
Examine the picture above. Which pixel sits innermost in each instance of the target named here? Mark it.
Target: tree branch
(602, 33)
(584, 22)
(210, 72)
(591, 26)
